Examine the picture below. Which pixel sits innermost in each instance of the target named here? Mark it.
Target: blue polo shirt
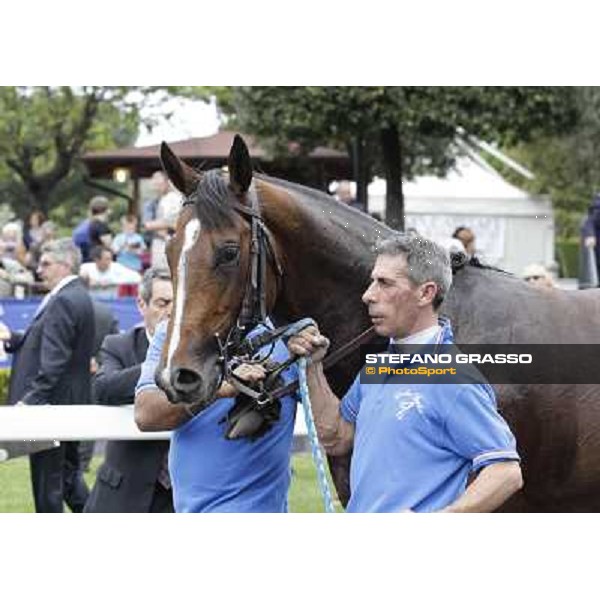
(416, 444)
(212, 474)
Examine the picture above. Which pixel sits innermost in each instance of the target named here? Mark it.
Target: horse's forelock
(213, 201)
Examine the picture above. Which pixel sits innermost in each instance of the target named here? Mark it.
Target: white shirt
(59, 286)
(425, 336)
(104, 284)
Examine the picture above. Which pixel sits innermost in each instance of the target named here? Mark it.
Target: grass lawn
(15, 487)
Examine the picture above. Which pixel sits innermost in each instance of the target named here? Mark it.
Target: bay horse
(319, 259)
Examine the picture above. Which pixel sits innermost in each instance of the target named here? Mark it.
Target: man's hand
(247, 373)
(590, 242)
(309, 343)
(5, 334)
(94, 368)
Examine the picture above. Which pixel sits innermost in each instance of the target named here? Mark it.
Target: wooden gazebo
(316, 169)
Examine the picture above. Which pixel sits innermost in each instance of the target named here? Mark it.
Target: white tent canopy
(512, 228)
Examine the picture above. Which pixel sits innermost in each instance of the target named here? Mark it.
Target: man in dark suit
(105, 323)
(134, 476)
(51, 365)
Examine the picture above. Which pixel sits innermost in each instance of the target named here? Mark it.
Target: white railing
(71, 423)
(80, 423)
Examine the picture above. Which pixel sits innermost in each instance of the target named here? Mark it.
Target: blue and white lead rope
(312, 436)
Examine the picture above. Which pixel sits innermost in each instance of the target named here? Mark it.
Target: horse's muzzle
(185, 383)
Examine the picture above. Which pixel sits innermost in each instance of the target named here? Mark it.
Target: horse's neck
(327, 256)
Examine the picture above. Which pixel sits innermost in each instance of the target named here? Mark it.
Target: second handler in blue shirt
(414, 445)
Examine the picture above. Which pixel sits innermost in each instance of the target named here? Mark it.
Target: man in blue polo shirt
(414, 445)
(210, 473)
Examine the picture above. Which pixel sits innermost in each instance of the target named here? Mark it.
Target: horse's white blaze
(192, 231)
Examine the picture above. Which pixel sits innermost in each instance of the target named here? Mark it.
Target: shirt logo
(408, 400)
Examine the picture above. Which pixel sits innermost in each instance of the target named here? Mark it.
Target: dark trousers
(162, 501)
(57, 477)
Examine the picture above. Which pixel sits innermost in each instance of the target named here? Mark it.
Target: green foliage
(566, 166)
(4, 381)
(567, 254)
(45, 130)
(417, 124)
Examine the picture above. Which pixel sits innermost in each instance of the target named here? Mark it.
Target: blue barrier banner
(18, 314)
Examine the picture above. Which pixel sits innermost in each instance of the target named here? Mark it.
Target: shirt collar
(421, 337)
(62, 283)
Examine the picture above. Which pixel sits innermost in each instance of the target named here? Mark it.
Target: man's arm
(114, 384)
(11, 339)
(335, 433)
(154, 412)
(494, 485)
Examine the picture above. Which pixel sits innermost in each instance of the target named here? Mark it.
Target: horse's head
(213, 269)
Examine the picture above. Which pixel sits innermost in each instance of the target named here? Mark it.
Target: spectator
(343, 193)
(590, 246)
(11, 243)
(538, 276)
(100, 233)
(51, 365)
(47, 234)
(466, 236)
(129, 245)
(105, 324)
(139, 466)
(14, 276)
(167, 211)
(32, 233)
(104, 276)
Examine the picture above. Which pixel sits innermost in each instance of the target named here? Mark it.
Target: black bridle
(238, 347)
(235, 348)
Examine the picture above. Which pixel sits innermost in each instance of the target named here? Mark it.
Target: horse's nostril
(185, 381)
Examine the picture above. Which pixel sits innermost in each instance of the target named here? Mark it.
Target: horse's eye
(227, 255)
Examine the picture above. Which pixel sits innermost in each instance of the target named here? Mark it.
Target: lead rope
(314, 441)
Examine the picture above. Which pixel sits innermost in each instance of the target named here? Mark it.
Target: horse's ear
(240, 166)
(184, 178)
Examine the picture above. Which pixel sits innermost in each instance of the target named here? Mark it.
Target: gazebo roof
(212, 150)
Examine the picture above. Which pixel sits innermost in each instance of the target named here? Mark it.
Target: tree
(566, 166)
(45, 130)
(398, 132)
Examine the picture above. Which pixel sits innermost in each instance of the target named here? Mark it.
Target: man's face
(394, 302)
(159, 307)
(129, 226)
(51, 271)
(160, 184)
(104, 261)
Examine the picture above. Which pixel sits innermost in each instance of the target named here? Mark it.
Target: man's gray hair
(150, 276)
(426, 260)
(64, 251)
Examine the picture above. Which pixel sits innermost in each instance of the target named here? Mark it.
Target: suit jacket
(105, 323)
(51, 363)
(127, 479)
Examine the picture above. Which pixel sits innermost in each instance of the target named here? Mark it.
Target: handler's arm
(154, 412)
(494, 485)
(335, 433)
